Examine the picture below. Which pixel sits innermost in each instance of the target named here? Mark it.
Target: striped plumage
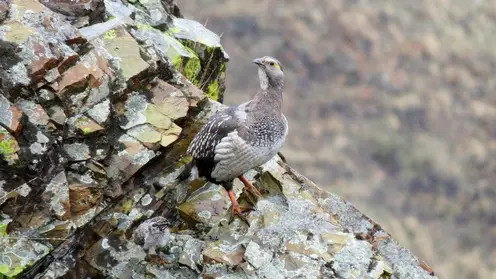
(245, 136)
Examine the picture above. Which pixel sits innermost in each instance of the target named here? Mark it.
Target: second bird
(244, 136)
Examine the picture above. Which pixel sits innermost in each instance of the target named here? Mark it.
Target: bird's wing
(210, 135)
(234, 155)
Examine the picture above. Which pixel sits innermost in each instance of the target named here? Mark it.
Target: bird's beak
(258, 61)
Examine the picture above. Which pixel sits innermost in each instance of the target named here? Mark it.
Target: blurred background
(391, 104)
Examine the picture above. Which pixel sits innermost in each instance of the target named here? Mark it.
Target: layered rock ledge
(99, 100)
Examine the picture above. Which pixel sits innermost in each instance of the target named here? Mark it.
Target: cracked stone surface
(99, 102)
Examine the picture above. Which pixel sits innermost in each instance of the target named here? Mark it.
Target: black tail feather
(186, 173)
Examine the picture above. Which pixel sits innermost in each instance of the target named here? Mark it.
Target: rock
(99, 102)
(19, 255)
(11, 118)
(115, 257)
(208, 206)
(77, 151)
(169, 100)
(56, 194)
(153, 13)
(213, 58)
(69, 8)
(146, 134)
(223, 251)
(100, 112)
(256, 255)
(21, 191)
(15, 32)
(87, 72)
(191, 254)
(139, 111)
(4, 11)
(44, 60)
(124, 49)
(57, 114)
(168, 48)
(84, 197)
(35, 112)
(128, 159)
(360, 252)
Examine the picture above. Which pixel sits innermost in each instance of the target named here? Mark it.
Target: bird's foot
(249, 187)
(156, 260)
(238, 210)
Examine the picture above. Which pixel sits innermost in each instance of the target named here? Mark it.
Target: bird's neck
(270, 97)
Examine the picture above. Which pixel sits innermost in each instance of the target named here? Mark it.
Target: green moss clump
(177, 62)
(86, 130)
(127, 206)
(213, 90)
(3, 229)
(385, 275)
(7, 146)
(191, 69)
(7, 271)
(109, 35)
(185, 160)
(142, 27)
(174, 30)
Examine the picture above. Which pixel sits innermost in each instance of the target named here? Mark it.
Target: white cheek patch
(264, 80)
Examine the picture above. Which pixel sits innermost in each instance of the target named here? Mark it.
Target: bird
(242, 137)
(152, 234)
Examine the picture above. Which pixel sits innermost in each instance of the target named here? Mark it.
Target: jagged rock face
(98, 103)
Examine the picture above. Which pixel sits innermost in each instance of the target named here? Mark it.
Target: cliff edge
(99, 100)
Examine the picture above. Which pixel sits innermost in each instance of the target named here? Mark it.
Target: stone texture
(99, 107)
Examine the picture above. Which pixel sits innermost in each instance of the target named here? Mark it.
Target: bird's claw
(237, 211)
(156, 260)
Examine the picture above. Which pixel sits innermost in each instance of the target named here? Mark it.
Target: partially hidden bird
(242, 137)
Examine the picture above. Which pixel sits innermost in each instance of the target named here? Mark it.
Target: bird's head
(270, 72)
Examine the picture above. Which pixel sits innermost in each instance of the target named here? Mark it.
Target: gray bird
(244, 136)
(152, 234)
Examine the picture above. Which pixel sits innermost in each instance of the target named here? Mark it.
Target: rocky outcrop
(98, 103)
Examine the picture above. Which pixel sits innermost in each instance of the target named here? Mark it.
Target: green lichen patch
(120, 44)
(156, 118)
(3, 229)
(110, 34)
(8, 271)
(146, 134)
(81, 124)
(170, 135)
(8, 147)
(188, 64)
(206, 46)
(19, 254)
(213, 90)
(17, 32)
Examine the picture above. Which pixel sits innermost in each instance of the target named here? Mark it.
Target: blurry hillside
(391, 104)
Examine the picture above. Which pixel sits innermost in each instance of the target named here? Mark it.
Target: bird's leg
(236, 209)
(156, 259)
(250, 186)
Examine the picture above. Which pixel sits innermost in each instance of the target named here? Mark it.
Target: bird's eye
(271, 63)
